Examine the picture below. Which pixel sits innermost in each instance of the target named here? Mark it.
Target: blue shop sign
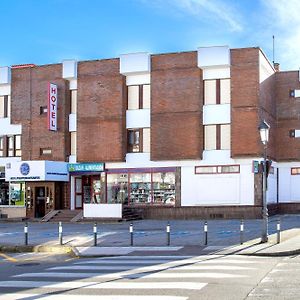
(86, 167)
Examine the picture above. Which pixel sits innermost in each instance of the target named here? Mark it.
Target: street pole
(264, 236)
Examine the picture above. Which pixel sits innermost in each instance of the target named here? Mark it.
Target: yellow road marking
(9, 258)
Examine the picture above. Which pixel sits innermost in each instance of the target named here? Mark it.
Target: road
(29, 276)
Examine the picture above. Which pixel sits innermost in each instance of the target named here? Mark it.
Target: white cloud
(284, 22)
(216, 10)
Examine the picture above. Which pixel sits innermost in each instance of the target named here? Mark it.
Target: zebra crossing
(127, 277)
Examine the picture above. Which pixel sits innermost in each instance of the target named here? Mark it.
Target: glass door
(78, 192)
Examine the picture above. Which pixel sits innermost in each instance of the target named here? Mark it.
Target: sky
(49, 31)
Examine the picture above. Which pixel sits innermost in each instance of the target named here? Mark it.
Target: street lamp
(264, 128)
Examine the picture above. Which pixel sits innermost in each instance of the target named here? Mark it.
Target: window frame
(141, 104)
(218, 167)
(5, 106)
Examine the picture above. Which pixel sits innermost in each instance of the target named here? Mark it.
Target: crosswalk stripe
(123, 275)
(134, 257)
(136, 262)
(105, 285)
(19, 296)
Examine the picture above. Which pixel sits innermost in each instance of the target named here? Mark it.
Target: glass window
(140, 188)
(146, 140)
(210, 133)
(1, 146)
(225, 91)
(146, 96)
(225, 137)
(73, 101)
(295, 171)
(206, 170)
(73, 143)
(98, 189)
(4, 193)
(210, 92)
(45, 151)
(4, 106)
(18, 146)
(230, 169)
(10, 146)
(164, 188)
(134, 140)
(133, 97)
(117, 188)
(17, 194)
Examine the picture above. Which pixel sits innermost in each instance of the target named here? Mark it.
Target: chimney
(276, 66)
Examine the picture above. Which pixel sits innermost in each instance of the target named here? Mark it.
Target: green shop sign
(86, 167)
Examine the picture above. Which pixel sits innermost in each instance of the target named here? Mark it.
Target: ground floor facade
(163, 190)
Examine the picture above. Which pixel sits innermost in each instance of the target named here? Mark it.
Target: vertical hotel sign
(52, 107)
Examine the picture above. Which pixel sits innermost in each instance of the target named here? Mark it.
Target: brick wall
(29, 93)
(288, 108)
(101, 130)
(176, 107)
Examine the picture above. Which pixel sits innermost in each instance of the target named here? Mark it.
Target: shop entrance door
(40, 202)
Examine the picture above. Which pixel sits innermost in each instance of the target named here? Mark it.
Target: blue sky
(48, 31)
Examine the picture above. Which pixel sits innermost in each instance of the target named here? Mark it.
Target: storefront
(37, 185)
(94, 185)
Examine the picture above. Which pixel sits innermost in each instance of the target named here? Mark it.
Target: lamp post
(264, 136)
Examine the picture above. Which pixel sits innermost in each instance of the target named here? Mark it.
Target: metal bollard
(95, 234)
(168, 234)
(26, 234)
(242, 232)
(205, 233)
(278, 231)
(131, 234)
(60, 233)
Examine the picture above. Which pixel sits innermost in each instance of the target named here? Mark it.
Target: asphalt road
(38, 276)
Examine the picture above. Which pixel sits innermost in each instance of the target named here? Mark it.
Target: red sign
(52, 107)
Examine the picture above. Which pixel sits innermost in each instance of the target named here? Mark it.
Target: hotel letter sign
(52, 107)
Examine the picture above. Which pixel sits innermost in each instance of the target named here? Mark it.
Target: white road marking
(148, 257)
(20, 296)
(105, 285)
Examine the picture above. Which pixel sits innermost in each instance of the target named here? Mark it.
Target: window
(164, 188)
(73, 101)
(138, 96)
(73, 143)
(139, 140)
(216, 91)
(12, 193)
(4, 106)
(43, 110)
(117, 188)
(18, 148)
(295, 171)
(45, 151)
(217, 137)
(10, 146)
(226, 169)
(1, 146)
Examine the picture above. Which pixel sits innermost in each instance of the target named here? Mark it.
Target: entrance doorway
(40, 202)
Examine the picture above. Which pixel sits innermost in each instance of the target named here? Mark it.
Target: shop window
(217, 137)
(4, 106)
(117, 188)
(216, 91)
(164, 188)
(138, 96)
(140, 188)
(138, 140)
(1, 146)
(73, 101)
(12, 194)
(4, 192)
(78, 192)
(225, 169)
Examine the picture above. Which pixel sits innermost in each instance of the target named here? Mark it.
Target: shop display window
(140, 188)
(117, 188)
(12, 194)
(164, 188)
(4, 193)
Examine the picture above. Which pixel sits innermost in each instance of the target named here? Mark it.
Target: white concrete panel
(135, 63)
(72, 122)
(102, 210)
(295, 190)
(139, 118)
(138, 79)
(72, 159)
(73, 84)
(69, 69)
(272, 187)
(216, 73)
(5, 75)
(265, 68)
(213, 56)
(216, 114)
(72, 179)
(4, 161)
(6, 128)
(215, 189)
(137, 159)
(216, 156)
(284, 184)
(246, 184)
(5, 89)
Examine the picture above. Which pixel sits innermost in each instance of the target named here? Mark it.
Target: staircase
(64, 215)
(131, 214)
